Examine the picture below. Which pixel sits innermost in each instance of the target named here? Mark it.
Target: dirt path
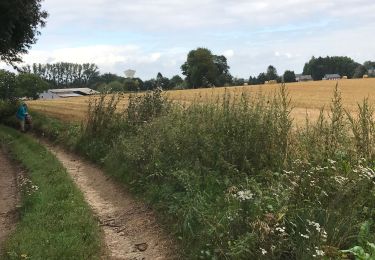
(130, 228)
(8, 196)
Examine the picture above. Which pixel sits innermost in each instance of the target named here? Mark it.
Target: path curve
(9, 196)
(130, 227)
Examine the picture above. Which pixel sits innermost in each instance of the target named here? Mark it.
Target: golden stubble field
(307, 97)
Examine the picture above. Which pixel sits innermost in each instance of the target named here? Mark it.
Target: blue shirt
(22, 112)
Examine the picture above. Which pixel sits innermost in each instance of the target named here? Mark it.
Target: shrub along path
(130, 227)
(9, 196)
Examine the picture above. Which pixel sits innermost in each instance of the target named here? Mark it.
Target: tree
(29, 85)
(175, 82)
(289, 76)
(7, 85)
(19, 27)
(109, 77)
(238, 82)
(262, 77)
(162, 82)
(131, 85)
(200, 69)
(369, 65)
(271, 73)
(23, 85)
(253, 80)
(224, 76)
(360, 71)
(203, 69)
(149, 84)
(115, 86)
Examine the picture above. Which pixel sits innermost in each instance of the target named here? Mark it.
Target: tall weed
(237, 179)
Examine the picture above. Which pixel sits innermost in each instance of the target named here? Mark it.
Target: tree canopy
(203, 69)
(271, 73)
(20, 21)
(29, 85)
(289, 76)
(14, 86)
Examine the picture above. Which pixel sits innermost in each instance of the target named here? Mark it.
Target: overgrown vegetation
(237, 179)
(56, 222)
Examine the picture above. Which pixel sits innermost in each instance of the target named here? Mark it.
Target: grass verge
(56, 222)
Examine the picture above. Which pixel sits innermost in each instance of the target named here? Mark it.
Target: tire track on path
(9, 196)
(129, 226)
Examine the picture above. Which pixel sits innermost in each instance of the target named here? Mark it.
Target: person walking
(21, 115)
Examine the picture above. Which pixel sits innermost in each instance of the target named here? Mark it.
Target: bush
(8, 111)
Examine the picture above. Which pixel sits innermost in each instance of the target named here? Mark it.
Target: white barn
(301, 78)
(67, 92)
(332, 77)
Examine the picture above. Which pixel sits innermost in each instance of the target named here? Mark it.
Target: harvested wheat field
(307, 97)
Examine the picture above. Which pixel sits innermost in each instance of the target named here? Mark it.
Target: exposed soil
(129, 226)
(9, 197)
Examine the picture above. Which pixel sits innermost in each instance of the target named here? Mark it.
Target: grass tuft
(56, 222)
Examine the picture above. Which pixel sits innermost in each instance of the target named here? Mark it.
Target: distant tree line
(201, 69)
(318, 67)
(64, 74)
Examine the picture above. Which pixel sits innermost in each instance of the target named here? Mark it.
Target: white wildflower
(324, 235)
(243, 195)
(340, 179)
(366, 172)
(331, 161)
(304, 236)
(280, 229)
(263, 251)
(318, 252)
(314, 224)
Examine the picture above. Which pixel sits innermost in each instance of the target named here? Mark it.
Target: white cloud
(156, 35)
(164, 15)
(107, 57)
(228, 53)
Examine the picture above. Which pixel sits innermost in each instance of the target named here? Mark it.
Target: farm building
(332, 77)
(67, 92)
(300, 78)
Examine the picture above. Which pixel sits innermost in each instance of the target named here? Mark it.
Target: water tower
(129, 73)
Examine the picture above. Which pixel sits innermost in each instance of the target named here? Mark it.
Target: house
(300, 78)
(332, 77)
(67, 92)
(371, 72)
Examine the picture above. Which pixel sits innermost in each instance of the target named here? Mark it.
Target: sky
(152, 36)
